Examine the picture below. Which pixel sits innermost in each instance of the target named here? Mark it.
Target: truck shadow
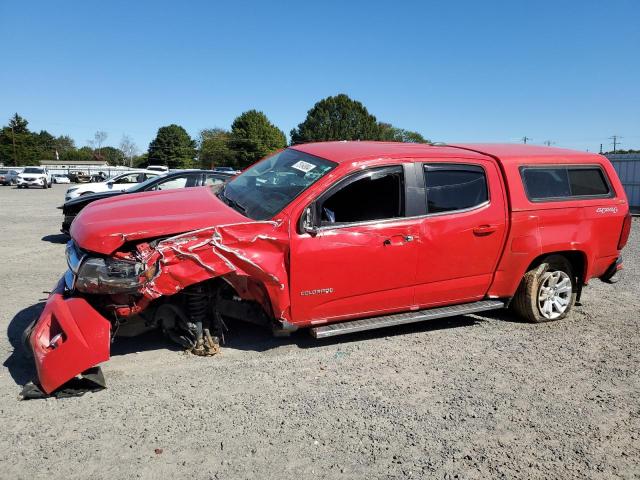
(59, 238)
(244, 336)
(241, 336)
(19, 365)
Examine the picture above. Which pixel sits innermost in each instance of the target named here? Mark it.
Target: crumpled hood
(104, 225)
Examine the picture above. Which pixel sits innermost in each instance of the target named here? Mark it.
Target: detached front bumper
(69, 337)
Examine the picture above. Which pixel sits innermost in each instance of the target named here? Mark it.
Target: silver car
(9, 176)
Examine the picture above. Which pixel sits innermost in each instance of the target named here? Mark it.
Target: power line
(615, 142)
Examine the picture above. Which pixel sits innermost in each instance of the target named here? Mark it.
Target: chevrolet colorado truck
(336, 237)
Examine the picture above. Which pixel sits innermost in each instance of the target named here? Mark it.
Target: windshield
(267, 187)
(33, 170)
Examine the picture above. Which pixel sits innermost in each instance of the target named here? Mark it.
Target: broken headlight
(110, 276)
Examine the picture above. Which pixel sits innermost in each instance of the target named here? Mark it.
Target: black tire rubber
(26, 345)
(525, 301)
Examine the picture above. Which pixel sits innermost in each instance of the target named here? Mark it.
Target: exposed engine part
(174, 323)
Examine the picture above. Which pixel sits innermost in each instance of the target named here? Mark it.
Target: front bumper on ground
(69, 337)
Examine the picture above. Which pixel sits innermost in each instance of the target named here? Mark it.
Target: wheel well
(577, 260)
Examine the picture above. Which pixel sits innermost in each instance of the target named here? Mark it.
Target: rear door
(463, 232)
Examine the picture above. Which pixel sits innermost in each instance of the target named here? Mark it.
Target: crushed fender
(255, 249)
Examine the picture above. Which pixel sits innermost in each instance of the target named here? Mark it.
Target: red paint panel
(257, 250)
(103, 226)
(353, 271)
(459, 251)
(83, 343)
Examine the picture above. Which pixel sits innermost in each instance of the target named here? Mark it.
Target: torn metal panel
(257, 250)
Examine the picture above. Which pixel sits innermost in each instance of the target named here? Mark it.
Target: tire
(547, 292)
(45, 184)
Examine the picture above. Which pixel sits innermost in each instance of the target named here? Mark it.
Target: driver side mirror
(308, 222)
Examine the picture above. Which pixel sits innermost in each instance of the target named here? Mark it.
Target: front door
(362, 260)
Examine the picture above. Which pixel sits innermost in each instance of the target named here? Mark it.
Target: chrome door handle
(405, 239)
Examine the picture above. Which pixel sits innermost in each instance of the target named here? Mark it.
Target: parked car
(158, 168)
(11, 177)
(8, 176)
(78, 176)
(227, 170)
(121, 181)
(168, 181)
(60, 178)
(98, 177)
(34, 177)
(363, 236)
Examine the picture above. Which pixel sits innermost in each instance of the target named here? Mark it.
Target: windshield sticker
(303, 166)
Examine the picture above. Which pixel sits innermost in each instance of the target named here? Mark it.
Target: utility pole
(616, 141)
(548, 143)
(600, 149)
(525, 138)
(15, 156)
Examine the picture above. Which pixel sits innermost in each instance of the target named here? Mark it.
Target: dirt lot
(470, 397)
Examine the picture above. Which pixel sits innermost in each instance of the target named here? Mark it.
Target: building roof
(75, 163)
(351, 151)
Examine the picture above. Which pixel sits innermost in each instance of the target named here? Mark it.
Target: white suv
(118, 182)
(34, 177)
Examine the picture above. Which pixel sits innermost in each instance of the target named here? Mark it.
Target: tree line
(251, 137)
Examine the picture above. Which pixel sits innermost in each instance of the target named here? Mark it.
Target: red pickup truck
(337, 237)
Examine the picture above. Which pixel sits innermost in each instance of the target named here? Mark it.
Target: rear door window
(546, 183)
(453, 187)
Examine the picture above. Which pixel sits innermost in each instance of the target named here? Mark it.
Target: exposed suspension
(198, 306)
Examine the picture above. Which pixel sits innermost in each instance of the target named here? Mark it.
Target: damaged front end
(185, 284)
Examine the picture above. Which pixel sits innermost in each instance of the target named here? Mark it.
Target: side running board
(342, 328)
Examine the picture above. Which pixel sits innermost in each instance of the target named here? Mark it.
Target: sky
(456, 71)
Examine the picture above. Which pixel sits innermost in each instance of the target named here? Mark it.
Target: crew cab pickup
(337, 237)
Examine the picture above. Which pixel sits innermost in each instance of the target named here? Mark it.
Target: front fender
(69, 337)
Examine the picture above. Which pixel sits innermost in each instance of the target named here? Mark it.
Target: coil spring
(197, 303)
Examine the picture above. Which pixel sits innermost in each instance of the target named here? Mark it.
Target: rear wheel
(547, 292)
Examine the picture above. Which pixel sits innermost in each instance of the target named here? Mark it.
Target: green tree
(18, 124)
(140, 161)
(63, 144)
(389, 133)
(79, 155)
(111, 155)
(172, 147)
(336, 118)
(253, 136)
(215, 149)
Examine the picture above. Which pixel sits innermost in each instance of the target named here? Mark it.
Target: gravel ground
(469, 397)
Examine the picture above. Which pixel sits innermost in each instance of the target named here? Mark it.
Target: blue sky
(565, 71)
